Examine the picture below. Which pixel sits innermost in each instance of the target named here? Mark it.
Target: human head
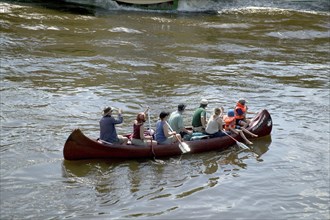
(217, 111)
(163, 114)
(107, 111)
(181, 107)
(141, 117)
(231, 113)
(242, 101)
(204, 103)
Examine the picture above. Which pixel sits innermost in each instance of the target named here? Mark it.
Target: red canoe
(78, 146)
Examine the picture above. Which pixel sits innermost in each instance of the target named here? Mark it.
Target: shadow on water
(119, 183)
(261, 146)
(60, 5)
(210, 160)
(84, 168)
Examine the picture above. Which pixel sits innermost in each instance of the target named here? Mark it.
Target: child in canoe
(241, 110)
(230, 125)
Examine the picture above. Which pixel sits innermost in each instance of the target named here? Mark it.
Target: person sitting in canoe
(199, 120)
(241, 110)
(108, 131)
(139, 138)
(230, 125)
(215, 124)
(176, 121)
(163, 133)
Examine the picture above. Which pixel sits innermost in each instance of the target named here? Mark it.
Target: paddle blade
(241, 145)
(184, 146)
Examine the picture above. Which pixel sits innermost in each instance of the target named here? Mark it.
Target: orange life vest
(243, 108)
(230, 122)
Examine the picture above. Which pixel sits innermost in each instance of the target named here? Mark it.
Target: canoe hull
(79, 147)
(150, 4)
(144, 2)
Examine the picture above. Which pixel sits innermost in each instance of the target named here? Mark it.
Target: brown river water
(62, 64)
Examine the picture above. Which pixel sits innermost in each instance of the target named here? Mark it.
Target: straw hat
(106, 111)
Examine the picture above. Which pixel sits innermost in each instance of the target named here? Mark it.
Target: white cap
(204, 102)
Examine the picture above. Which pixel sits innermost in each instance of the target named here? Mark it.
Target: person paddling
(163, 133)
(176, 121)
(139, 138)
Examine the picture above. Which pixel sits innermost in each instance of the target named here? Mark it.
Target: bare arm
(186, 131)
(220, 123)
(146, 111)
(204, 122)
(222, 111)
(248, 112)
(167, 132)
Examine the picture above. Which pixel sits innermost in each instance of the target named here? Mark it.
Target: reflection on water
(104, 172)
(147, 182)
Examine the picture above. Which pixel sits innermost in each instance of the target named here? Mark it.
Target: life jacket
(230, 122)
(243, 108)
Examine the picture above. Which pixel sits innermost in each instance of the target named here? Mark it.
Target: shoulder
(106, 118)
(174, 114)
(160, 123)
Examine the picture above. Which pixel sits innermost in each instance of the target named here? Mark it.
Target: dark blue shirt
(239, 111)
(160, 136)
(107, 128)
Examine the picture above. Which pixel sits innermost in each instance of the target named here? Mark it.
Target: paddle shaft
(181, 144)
(149, 122)
(230, 136)
(238, 143)
(172, 131)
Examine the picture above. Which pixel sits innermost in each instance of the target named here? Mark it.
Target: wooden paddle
(240, 144)
(152, 148)
(149, 122)
(184, 147)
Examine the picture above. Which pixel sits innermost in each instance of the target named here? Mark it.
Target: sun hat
(231, 113)
(204, 102)
(106, 111)
(181, 107)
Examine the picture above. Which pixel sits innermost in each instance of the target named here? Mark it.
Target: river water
(62, 64)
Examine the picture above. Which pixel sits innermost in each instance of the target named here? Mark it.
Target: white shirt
(212, 125)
